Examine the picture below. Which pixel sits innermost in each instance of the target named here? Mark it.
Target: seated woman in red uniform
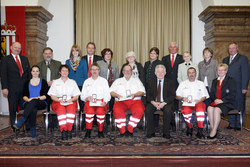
(222, 94)
(34, 96)
(64, 92)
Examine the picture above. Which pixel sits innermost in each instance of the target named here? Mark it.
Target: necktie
(158, 98)
(231, 59)
(19, 66)
(89, 64)
(172, 61)
(111, 76)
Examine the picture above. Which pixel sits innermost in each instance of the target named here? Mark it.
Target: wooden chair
(107, 112)
(50, 113)
(39, 113)
(236, 113)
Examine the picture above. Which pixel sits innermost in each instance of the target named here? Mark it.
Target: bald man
(15, 71)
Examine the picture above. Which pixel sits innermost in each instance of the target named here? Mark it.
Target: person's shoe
(229, 127)
(189, 132)
(150, 135)
(237, 129)
(19, 122)
(100, 134)
(211, 138)
(122, 135)
(129, 134)
(200, 134)
(64, 135)
(70, 134)
(166, 136)
(88, 134)
(33, 132)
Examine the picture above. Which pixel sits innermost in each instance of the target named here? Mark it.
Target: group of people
(95, 83)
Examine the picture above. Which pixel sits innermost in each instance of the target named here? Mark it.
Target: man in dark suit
(160, 96)
(15, 71)
(238, 69)
(91, 57)
(171, 62)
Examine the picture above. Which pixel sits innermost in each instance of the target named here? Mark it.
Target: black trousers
(30, 110)
(14, 99)
(167, 116)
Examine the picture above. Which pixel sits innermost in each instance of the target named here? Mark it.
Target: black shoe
(69, 134)
(129, 134)
(209, 137)
(229, 127)
(200, 134)
(64, 135)
(14, 127)
(100, 134)
(166, 136)
(189, 132)
(151, 135)
(237, 129)
(88, 134)
(123, 135)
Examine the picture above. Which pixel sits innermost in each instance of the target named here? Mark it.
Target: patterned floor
(228, 142)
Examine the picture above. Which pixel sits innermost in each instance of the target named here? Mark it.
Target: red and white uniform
(197, 90)
(65, 113)
(136, 107)
(99, 87)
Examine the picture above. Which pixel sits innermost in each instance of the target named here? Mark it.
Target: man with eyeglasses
(95, 94)
(127, 92)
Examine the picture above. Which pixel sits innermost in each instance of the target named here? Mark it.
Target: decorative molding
(36, 18)
(224, 24)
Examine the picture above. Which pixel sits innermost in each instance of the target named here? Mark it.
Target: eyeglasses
(94, 69)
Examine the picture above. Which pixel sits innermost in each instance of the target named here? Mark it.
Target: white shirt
(99, 87)
(197, 89)
(120, 86)
(92, 58)
(173, 55)
(60, 88)
(182, 71)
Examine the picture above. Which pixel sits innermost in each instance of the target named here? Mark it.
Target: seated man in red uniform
(192, 93)
(95, 93)
(127, 92)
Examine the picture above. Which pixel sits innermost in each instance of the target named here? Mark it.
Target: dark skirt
(224, 107)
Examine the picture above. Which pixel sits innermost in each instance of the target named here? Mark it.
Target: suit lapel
(13, 62)
(235, 58)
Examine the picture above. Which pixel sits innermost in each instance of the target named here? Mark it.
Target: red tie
(172, 61)
(89, 73)
(19, 66)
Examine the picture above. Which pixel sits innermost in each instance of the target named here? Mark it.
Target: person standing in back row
(238, 69)
(91, 57)
(15, 71)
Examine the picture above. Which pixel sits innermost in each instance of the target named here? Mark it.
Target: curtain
(133, 25)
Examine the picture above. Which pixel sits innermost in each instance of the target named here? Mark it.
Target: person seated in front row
(222, 94)
(95, 93)
(127, 92)
(64, 93)
(192, 93)
(34, 96)
(160, 96)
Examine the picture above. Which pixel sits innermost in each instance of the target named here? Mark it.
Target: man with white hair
(160, 96)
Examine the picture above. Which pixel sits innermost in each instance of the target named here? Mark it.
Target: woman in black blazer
(222, 94)
(34, 96)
